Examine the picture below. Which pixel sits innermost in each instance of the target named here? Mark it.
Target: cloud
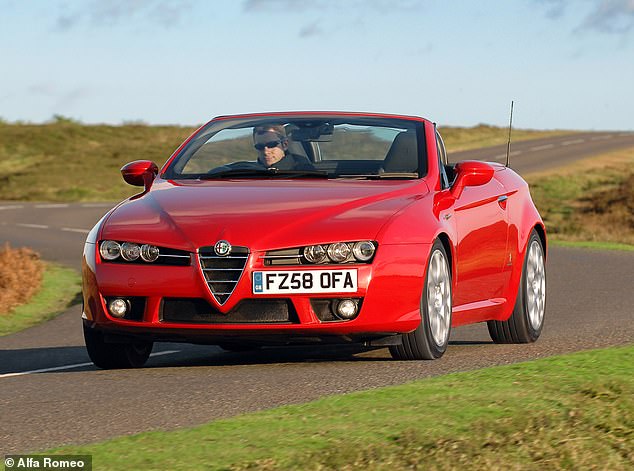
(288, 6)
(310, 30)
(611, 16)
(110, 12)
(556, 8)
(605, 16)
(62, 98)
(45, 89)
(313, 28)
(69, 99)
(297, 6)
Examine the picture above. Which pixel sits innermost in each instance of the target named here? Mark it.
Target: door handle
(502, 201)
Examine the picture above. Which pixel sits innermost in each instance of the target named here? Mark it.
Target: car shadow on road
(32, 359)
(73, 359)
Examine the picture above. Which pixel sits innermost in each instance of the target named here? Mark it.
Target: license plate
(305, 281)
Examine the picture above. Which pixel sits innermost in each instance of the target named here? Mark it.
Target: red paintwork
(140, 173)
(486, 240)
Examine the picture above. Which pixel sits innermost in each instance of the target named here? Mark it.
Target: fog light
(347, 309)
(119, 307)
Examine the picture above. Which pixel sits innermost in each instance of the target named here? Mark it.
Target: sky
(566, 64)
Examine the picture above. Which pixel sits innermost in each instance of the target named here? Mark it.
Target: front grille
(249, 311)
(222, 273)
(284, 257)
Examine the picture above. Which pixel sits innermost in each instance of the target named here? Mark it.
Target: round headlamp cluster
(129, 251)
(340, 252)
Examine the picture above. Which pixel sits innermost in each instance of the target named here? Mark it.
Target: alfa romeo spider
(313, 228)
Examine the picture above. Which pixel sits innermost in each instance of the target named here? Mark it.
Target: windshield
(324, 147)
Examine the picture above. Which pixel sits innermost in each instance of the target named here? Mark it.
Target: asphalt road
(51, 395)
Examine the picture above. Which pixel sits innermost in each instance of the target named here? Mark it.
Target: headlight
(315, 253)
(110, 250)
(149, 253)
(363, 251)
(339, 252)
(130, 251)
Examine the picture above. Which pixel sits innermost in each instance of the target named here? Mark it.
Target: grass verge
(82, 162)
(569, 412)
(60, 289)
(592, 245)
(458, 139)
(589, 204)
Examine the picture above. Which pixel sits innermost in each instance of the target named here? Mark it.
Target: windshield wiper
(235, 172)
(259, 172)
(299, 173)
(379, 176)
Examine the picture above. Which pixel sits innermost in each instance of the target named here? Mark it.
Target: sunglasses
(270, 145)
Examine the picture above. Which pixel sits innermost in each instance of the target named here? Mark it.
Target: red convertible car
(313, 227)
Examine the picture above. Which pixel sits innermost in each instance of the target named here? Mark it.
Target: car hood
(260, 214)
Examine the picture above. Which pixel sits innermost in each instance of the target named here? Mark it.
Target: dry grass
(82, 162)
(20, 277)
(459, 139)
(592, 200)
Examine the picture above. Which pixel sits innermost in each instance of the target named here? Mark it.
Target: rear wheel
(115, 355)
(526, 323)
(429, 341)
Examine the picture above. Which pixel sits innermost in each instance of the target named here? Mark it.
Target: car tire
(115, 355)
(527, 320)
(429, 341)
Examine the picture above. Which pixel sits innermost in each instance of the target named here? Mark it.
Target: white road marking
(97, 205)
(503, 156)
(575, 141)
(12, 207)
(48, 206)
(70, 229)
(69, 367)
(546, 146)
(34, 226)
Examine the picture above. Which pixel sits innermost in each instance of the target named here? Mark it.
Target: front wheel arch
(524, 325)
(430, 339)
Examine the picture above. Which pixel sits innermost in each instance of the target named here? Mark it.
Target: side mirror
(140, 173)
(471, 173)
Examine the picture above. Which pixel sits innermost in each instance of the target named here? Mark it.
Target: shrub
(20, 276)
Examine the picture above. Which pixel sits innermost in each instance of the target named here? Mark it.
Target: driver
(271, 143)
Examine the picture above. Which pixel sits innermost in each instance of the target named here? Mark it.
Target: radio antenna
(508, 145)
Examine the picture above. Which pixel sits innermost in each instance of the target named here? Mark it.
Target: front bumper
(389, 291)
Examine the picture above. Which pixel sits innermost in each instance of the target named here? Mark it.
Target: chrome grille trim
(209, 257)
(271, 257)
(222, 274)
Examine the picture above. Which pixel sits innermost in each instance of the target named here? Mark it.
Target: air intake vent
(222, 273)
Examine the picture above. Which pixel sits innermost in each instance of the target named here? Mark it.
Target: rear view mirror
(471, 173)
(140, 173)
